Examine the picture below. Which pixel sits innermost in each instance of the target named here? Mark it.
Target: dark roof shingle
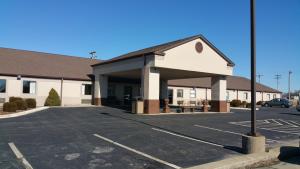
(233, 82)
(38, 64)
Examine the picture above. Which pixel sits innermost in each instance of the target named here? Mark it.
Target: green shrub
(244, 104)
(21, 104)
(259, 103)
(248, 105)
(9, 107)
(31, 103)
(235, 103)
(13, 99)
(53, 99)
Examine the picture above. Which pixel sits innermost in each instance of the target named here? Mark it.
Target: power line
(277, 77)
(259, 76)
(290, 72)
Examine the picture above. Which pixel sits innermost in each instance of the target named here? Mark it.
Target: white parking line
(225, 131)
(20, 156)
(284, 126)
(137, 152)
(186, 137)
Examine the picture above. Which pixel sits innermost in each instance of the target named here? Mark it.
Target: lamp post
(253, 71)
(253, 142)
(290, 72)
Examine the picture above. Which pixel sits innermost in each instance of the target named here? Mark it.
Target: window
(179, 93)
(29, 87)
(111, 90)
(193, 93)
(246, 96)
(269, 96)
(2, 86)
(227, 95)
(86, 89)
(274, 96)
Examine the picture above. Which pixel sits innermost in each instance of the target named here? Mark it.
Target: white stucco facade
(205, 94)
(71, 94)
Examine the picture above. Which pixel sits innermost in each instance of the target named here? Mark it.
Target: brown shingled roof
(160, 49)
(233, 82)
(15, 62)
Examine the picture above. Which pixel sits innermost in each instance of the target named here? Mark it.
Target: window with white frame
(269, 96)
(29, 87)
(86, 89)
(227, 95)
(274, 96)
(245, 95)
(193, 93)
(2, 85)
(179, 93)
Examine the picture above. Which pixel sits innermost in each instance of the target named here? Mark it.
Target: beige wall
(185, 57)
(201, 95)
(72, 90)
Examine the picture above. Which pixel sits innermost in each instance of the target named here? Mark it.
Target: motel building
(186, 72)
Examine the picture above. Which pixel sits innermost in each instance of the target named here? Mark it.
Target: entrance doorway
(127, 95)
(170, 96)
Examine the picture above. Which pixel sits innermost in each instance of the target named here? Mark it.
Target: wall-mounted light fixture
(19, 77)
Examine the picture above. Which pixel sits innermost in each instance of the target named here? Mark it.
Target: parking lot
(103, 137)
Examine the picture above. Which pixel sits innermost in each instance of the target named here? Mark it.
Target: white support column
(218, 94)
(151, 90)
(100, 89)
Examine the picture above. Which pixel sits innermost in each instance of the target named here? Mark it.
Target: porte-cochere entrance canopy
(191, 57)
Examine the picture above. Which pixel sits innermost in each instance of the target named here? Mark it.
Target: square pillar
(218, 94)
(150, 87)
(100, 89)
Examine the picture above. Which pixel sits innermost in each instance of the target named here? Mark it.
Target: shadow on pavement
(294, 114)
(228, 147)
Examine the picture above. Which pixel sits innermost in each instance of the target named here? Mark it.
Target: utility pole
(93, 55)
(277, 77)
(259, 76)
(253, 142)
(290, 72)
(253, 70)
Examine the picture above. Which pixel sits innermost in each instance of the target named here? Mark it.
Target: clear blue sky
(114, 27)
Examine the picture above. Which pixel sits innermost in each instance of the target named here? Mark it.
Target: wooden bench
(189, 108)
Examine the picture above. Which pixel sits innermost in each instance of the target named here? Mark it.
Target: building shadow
(228, 147)
(294, 114)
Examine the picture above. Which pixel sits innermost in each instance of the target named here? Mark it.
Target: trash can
(137, 106)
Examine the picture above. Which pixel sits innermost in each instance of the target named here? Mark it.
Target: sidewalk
(291, 163)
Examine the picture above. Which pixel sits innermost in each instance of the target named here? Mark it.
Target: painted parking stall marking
(137, 152)
(235, 133)
(186, 137)
(20, 156)
(278, 125)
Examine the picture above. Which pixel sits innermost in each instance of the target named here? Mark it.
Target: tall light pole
(277, 77)
(253, 71)
(259, 76)
(290, 72)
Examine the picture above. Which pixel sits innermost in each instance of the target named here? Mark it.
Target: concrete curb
(242, 108)
(5, 116)
(186, 113)
(254, 160)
